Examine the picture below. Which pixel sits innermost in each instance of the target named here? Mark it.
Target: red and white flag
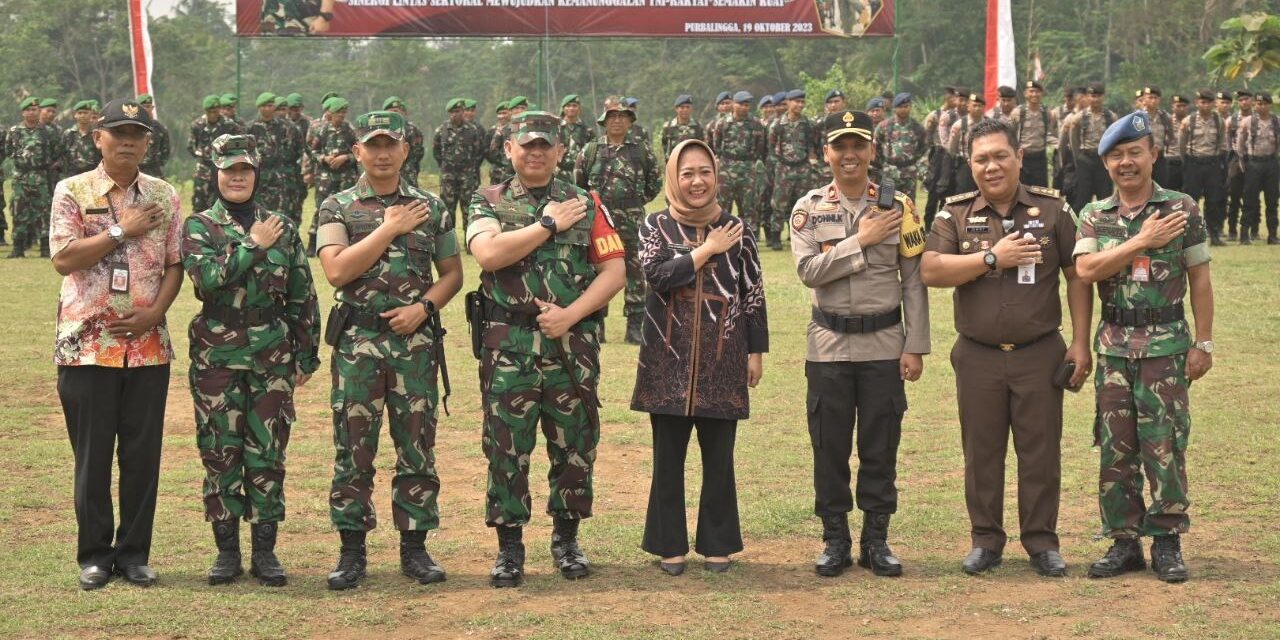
(1038, 71)
(1000, 66)
(140, 45)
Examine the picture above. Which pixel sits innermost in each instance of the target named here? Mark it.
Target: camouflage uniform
(792, 145)
(33, 151)
(901, 145)
(739, 146)
(500, 169)
(673, 133)
(457, 150)
(4, 154)
(574, 137)
(326, 139)
(81, 153)
(158, 153)
(374, 367)
(417, 151)
(279, 148)
(297, 184)
(242, 372)
(1143, 420)
(627, 177)
(288, 16)
(203, 133)
(523, 376)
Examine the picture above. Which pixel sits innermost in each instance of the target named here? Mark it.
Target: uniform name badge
(1026, 274)
(119, 277)
(1141, 269)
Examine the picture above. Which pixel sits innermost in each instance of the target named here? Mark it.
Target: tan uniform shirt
(958, 140)
(1200, 137)
(1087, 127)
(1164, 136)
(1033, 135)
(1264, 144)
(848, 279)
(995, 308)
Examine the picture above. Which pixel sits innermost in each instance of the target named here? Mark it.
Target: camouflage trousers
(1143, 423)
(406, 386)
(904, 178)
(765, 206)
(273, 189)
(740, 183)
(628, 221)
(327, 184)
(296, 194)
(790, 183)
(31, 203)
(410, 174)
(243, 420)
(204, 190)
(521, 391)
(4, 223)
(456, 189)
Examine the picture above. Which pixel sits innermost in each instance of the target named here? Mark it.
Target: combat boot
(226, 568)
(18, 251)
(565, 552)
(836, 556)
(1244, 237)
(775, 240)
(415, 562)
(1215, 239)
(1166, 559)
(263, 563)
(508, 571)
(351, 561)
(1124, 555)
(874, 548)
(635, 329)
(44, 247)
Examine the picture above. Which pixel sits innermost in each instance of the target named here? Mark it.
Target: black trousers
(1261, 178)
(103, 405)
(1173, 174)
(665, 532)
(1035, 169)
(1234, 193)
(964, 176)
(1160, 171)
(872, 394)
(1205, 178)
(1092, 180)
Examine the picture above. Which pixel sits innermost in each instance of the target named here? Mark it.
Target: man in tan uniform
(1035, 130)
(1257, 143)
(1084, 131)
(1003, 248)
(1202, 142)
(870, 328)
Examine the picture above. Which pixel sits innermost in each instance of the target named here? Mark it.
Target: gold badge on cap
(1034, 212)
(130, 110)
(848, 117)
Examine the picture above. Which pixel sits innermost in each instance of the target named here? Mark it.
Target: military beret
(743, 96)
(963, 92)
(843, 123)
(1243, 93)
(875, 103)
(517, 102)
(264, 98)
(392, 102)
(502, 106)
(1034, 84)
(766, 101)
(28, 103)
(779, 97)
(795, 94)
(325, 98)
(229, 149)
(48, 102)
(83, 105)
(281, 101)
(901, 99)
(1263, 96)
(144, 99)
(454, 103)
(616, 107)
(1134, 126)
(977, 97)
(1005, 91)
(211, 102)
(722, 96)
(631, 102)
(336, 104)
(379, 123)
(539, 125)
(118, 113)
(1180, 99)
(229, 99)
(834, 93)
(1223, 95)
(295, 99)
(93, 104)
(684, 98)
(468, 103)
(1204, 94)
(1096, 89)
(570, 99)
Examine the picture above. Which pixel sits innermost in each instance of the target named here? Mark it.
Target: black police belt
(1217, 159)
(1143, 316)
(1260, 159)
(495, 313)
(856, 324)
(234, 317)
(1010, 346)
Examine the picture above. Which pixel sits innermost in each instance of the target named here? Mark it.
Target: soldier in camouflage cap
(574, 134)
(330, 145)
(500, 169)
(550, 257)
(378, 242)
(622, 169)
(413, 136)
(204, 130)
(253, 342)
(1146, 247)
(279, 150)
(457, 147)
(81, 153)
(161, 141)
(795, 145)
(33, 148)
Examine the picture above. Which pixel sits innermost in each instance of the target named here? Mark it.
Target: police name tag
(119, 277)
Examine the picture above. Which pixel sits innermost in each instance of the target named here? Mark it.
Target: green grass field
(1233, 549)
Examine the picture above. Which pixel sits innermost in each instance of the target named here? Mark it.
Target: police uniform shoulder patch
(961, 197)
(1044, 191)
(799, 218)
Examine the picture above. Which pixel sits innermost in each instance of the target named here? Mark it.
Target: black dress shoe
(1124, 555)
(672, 568)
(139, 574)
(1049, 564)
(980, 560)
(94, 578)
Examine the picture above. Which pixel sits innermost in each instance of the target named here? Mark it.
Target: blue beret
(743, 96)
(631, 102)
(1134, 126)
(901, 99)
(684, 98)
(722, 96)
(795, 94)
(765, 101)
(779, 97)
(834, 93)
(875, 103)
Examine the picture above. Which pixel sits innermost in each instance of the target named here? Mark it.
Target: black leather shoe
(1049, 564)
(1215, 241)
(508, 570)
(565, 552)
(719, 566)
(1231, 235)
(672, 568)
(94, 578)
(352, 562)
(415, 562)
(980, 561)
(1166, 559)
(139, 574)
(263, 563)
(1273, 240)
(836, 555)
(226, 567)
(1124, 555)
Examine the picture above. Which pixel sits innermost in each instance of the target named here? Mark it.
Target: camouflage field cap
(613, 106)
(535, 125)
(379, 123)
(229, 149)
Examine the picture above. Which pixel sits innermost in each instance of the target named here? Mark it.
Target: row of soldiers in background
(43, 152)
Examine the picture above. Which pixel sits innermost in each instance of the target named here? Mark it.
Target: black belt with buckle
(233, 317)
(1143, 316)
(494, 313)
(1010, 346)
(856, 324)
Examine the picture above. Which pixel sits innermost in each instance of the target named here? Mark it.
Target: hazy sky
(161, 7)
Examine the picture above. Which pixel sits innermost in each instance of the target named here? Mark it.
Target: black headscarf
(242, 212)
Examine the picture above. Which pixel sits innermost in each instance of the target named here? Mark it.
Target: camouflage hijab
(681, 209)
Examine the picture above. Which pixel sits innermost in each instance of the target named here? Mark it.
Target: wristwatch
(1204, 345)
(248, 243)
(327, 15)
(429, 306)
(989, 259)
(116, 232)
(549, 224)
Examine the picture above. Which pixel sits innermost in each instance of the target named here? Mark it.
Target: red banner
(575, 18)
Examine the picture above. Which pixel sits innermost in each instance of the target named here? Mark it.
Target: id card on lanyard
(118, 267)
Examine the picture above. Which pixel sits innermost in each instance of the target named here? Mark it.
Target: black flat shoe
(1049, 564)
(672, 568)
(94, 578)
(717, 567)
(139, 574)
(980, 561)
